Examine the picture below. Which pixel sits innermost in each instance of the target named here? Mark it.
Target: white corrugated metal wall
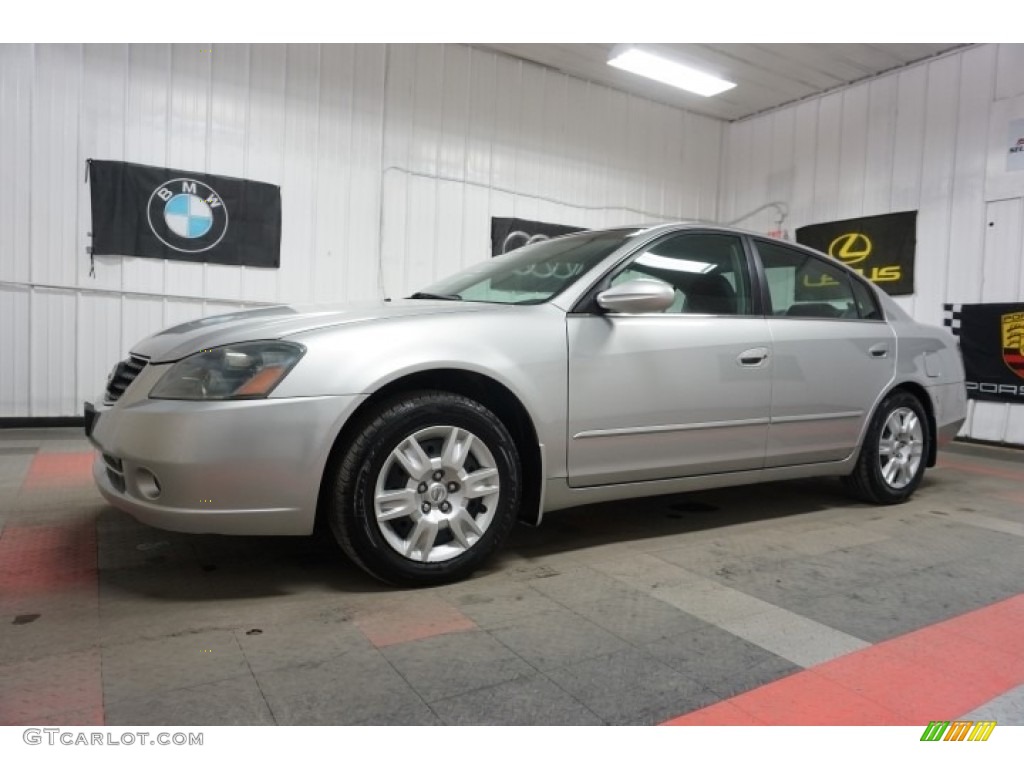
(913, 140)
(465, 128)
(391, 160)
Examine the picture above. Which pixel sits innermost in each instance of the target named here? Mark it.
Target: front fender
(521, 347)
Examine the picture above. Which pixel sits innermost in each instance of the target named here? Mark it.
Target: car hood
(279, 321)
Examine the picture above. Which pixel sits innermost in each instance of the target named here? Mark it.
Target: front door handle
(753, 357)
(879, 350)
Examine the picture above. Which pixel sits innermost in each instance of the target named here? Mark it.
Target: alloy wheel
(900, 447)
(436, 494)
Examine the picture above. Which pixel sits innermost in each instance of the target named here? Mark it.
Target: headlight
(237, 371)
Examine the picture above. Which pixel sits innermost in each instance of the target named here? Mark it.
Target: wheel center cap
(437, 493)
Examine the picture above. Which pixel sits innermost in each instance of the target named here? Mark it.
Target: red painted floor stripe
(44, 558)
(938, 672)
(58, 690)
(47, 570)
(59, 470)
(409, 620)
(722, 713)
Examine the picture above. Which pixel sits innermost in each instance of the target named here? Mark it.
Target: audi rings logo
(559, 270)
(518, 239)
(187, 215)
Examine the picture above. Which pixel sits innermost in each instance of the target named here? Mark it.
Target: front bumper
(250, 467)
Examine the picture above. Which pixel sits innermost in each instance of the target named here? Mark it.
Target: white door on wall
(1002, 281)
(1002, 265)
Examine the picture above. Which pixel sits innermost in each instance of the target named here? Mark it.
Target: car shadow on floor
(135, 558)
(662, 516)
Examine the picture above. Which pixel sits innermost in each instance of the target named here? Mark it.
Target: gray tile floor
(627, 613)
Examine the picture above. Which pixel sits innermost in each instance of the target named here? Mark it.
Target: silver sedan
(593, 367)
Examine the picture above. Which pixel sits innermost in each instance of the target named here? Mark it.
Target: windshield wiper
(442, 296)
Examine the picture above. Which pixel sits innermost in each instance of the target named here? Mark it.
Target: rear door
(833, 355)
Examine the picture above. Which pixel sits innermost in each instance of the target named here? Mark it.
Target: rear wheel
(428, 489)
(895, 450)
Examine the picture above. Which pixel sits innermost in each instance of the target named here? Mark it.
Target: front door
(678, 393)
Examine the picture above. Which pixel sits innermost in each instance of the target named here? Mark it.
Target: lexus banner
(167, 213)
(509, 234)
(992, 345)
(879, 247)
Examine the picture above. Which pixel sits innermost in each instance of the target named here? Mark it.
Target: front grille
(122, 376)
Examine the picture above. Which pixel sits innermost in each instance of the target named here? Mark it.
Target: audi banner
(509, 234)
(166, 213)
(992, 345)
(879, 247)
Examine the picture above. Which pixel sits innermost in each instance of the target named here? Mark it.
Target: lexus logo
(851, 248)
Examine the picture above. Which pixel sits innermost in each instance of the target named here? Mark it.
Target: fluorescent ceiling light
(667, 71)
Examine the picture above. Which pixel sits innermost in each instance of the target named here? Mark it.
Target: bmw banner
(992, 344)
(166, 213)
(509, 234)
(879, 247)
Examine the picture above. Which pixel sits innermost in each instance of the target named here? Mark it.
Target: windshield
(532, 274)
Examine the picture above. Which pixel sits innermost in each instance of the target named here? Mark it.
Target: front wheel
(428, 490)
(895, 450)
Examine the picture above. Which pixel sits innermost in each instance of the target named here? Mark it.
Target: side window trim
(765, 292)
(759, 281)
(587, 304)
(869, 289)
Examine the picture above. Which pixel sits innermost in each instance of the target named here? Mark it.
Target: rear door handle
(753, 357)
(879, 350)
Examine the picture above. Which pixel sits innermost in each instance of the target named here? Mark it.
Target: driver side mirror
(637, 296)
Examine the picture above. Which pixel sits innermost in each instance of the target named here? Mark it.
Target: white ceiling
(767, 75)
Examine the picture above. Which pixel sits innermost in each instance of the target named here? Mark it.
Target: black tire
(371, 466)
(879, 479)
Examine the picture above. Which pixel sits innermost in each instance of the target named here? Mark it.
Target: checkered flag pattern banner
(991, 340)
(951, 317)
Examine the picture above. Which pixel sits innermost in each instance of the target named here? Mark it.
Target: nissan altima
(592, 367)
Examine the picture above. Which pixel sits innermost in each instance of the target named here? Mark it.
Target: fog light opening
(147, 483)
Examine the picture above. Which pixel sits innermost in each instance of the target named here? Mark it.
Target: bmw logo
(187, 215)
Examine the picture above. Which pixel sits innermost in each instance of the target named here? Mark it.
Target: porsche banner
(992, 345)
(879, 247)
(166, 213)
(509, 234)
